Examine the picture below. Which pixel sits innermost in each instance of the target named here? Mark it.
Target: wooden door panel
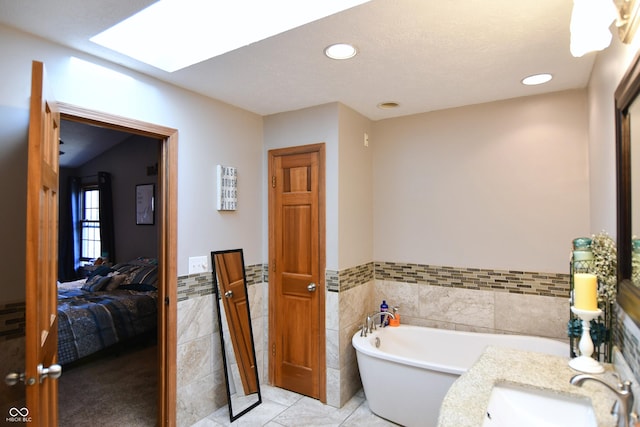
(297, 252)
(232, 279)
(41, 331)
(296, 247)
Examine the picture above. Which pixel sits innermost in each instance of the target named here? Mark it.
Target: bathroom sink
(511, 405)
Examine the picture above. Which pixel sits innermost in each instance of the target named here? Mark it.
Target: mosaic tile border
(627, 342)
(519, 282)
(257, 273)
(340, 281)
(12, 315)
(201, 284)
(194, 285)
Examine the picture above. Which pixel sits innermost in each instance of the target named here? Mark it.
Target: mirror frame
(218, 300)
(628, 91)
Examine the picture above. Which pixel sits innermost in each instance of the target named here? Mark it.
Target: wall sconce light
(591, 19)
(630, 19)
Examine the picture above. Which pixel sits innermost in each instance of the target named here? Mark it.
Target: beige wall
(210, 133)
(503, 185)
(355, 190)
(349, 210)
(302, 127)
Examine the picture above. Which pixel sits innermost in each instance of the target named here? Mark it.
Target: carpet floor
(115, 390)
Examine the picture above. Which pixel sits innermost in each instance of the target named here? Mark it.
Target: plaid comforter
(91, 321)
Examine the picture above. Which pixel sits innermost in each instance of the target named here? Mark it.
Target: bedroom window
(90, 224)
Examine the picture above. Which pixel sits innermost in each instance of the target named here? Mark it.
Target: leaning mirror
(627, 110)
(236, 334)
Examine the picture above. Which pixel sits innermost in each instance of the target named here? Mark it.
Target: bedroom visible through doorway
(107, 323)
(165, 220)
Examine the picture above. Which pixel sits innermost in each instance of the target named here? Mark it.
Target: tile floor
(284, 408)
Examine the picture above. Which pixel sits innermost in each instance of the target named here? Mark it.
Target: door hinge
(166, 300)
(273, 181)
(273, 350)
(273, 265)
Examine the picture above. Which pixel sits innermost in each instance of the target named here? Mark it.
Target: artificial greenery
(605, 266)
(599, 332)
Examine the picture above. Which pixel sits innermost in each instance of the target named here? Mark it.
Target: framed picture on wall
(145, 204)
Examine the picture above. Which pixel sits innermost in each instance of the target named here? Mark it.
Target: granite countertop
(466, 401)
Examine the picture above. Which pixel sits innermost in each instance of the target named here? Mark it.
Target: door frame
(167, 242)
(301, 149)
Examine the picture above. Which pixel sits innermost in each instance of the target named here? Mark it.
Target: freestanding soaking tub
(407, 370)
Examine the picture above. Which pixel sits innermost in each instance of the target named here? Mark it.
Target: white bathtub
(406, 378)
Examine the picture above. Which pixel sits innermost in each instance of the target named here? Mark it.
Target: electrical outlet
(198, 264)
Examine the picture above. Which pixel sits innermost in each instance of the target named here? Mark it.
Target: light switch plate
(198, 264)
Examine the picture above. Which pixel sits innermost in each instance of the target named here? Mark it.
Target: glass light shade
(590, 22)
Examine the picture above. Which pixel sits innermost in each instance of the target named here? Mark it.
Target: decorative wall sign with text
(227, 188)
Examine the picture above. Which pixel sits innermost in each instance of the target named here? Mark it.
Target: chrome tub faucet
(370, 324)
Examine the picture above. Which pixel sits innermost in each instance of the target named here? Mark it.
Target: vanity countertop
(466, 401)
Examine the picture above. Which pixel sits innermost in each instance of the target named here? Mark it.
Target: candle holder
(584, 362)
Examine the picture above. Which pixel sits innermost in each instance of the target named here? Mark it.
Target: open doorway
(165, 219)
(108, 258)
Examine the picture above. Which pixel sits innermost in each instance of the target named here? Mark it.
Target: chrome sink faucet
(370, 324)
(623, 407)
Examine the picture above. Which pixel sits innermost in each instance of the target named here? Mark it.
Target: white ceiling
(423, 54)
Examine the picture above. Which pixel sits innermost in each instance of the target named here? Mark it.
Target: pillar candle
(585, 291)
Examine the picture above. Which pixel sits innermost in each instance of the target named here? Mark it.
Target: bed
(111, 306)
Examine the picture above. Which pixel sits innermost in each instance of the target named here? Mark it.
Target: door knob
(311, 287)
(54, 371)
(228, 294)
(14, 378)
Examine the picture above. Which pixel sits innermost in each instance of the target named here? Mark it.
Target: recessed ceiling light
(537, 79)
(388, 105)
(341, 51)
(174, 34)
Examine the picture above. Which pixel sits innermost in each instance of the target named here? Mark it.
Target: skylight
(174, 34)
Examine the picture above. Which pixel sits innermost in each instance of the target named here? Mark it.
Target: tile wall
(443, 297)
(467, 299)
(201, 387)
(476, 299)
(438, 296)
(626, 337)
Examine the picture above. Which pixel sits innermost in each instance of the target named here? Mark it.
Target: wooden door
(231, 280)
(41, 332)
(296, 276)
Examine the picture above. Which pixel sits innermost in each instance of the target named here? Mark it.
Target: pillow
(116, 280)
(103, 270)
(136, 273)
(96, 283)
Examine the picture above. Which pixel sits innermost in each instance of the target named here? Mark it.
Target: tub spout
(623, 406)
(380, 314)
